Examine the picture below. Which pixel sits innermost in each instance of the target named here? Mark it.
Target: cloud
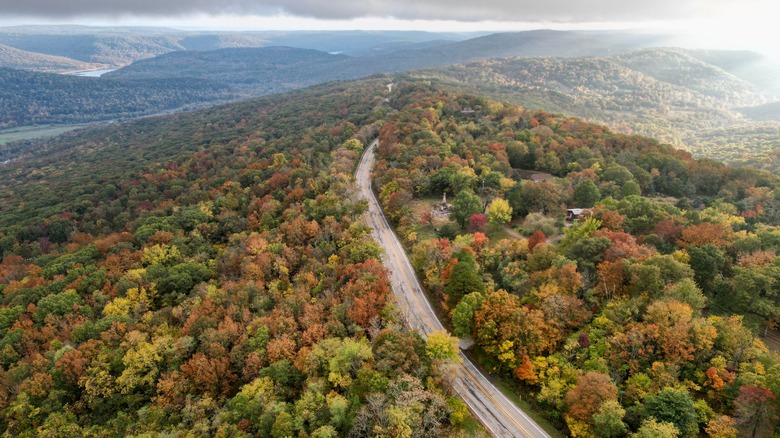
(566, 11)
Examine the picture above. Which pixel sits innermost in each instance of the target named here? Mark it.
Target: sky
(746, 24)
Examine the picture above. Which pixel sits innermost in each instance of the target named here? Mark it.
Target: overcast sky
(716, 23)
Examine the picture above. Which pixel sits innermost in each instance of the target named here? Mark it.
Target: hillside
(661, 93)
(209, 271)
(676, 67)
(674, 95)
(607, 321)
(29, 98)
(665, 93)
(21, 60)
(766, 112)
(750, 66)
(433, 54)
(256, 70)
(274, 69)
(100, 49)
(122, 45)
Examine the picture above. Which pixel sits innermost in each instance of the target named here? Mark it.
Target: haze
(722, 24)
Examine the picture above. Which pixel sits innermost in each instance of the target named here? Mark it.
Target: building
(573, 214)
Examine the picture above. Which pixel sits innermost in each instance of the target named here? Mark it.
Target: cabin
(573, 214)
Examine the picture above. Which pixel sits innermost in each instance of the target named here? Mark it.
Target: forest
(208, 273)
(641, 318)
(30, 98)
(669, 94)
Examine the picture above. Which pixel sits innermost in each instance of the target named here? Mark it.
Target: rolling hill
(288, 68)
(124, 45)
(667, 93)
(258, 71)
(30, 98)
(685, 97)
(662, 93)
(21, 60)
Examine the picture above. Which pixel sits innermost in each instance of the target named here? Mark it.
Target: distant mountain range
(258, 67)
(690, 98)
(124, 45)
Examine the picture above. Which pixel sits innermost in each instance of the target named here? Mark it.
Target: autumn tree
(464, 278)
(586, 398)
(755, 411)
(498, 213)
(441, 346)
(608, 421)
(676, 407)
(536, 238)
(465, 204)
(652, 428)
(586, 194)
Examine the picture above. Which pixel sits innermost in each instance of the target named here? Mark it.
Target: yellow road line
(481, 388)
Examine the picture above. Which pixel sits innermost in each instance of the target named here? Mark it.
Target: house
(573, 214)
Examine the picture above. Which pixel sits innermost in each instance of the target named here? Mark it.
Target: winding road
(496, 412)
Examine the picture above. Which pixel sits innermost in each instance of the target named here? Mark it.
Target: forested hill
(84, 45)
(637, 319)
(258, 71)
(19, 59)
(208, 272)
(28, 98)
(122, 46)
(211, 64)
(667, 94)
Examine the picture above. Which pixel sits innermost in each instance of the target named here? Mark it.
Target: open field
(31, 132)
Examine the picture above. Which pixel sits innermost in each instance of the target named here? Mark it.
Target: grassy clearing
(32, 132)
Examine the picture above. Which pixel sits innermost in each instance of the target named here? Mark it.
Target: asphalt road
(496, 412)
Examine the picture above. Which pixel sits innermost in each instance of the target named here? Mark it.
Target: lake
(93, 73)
